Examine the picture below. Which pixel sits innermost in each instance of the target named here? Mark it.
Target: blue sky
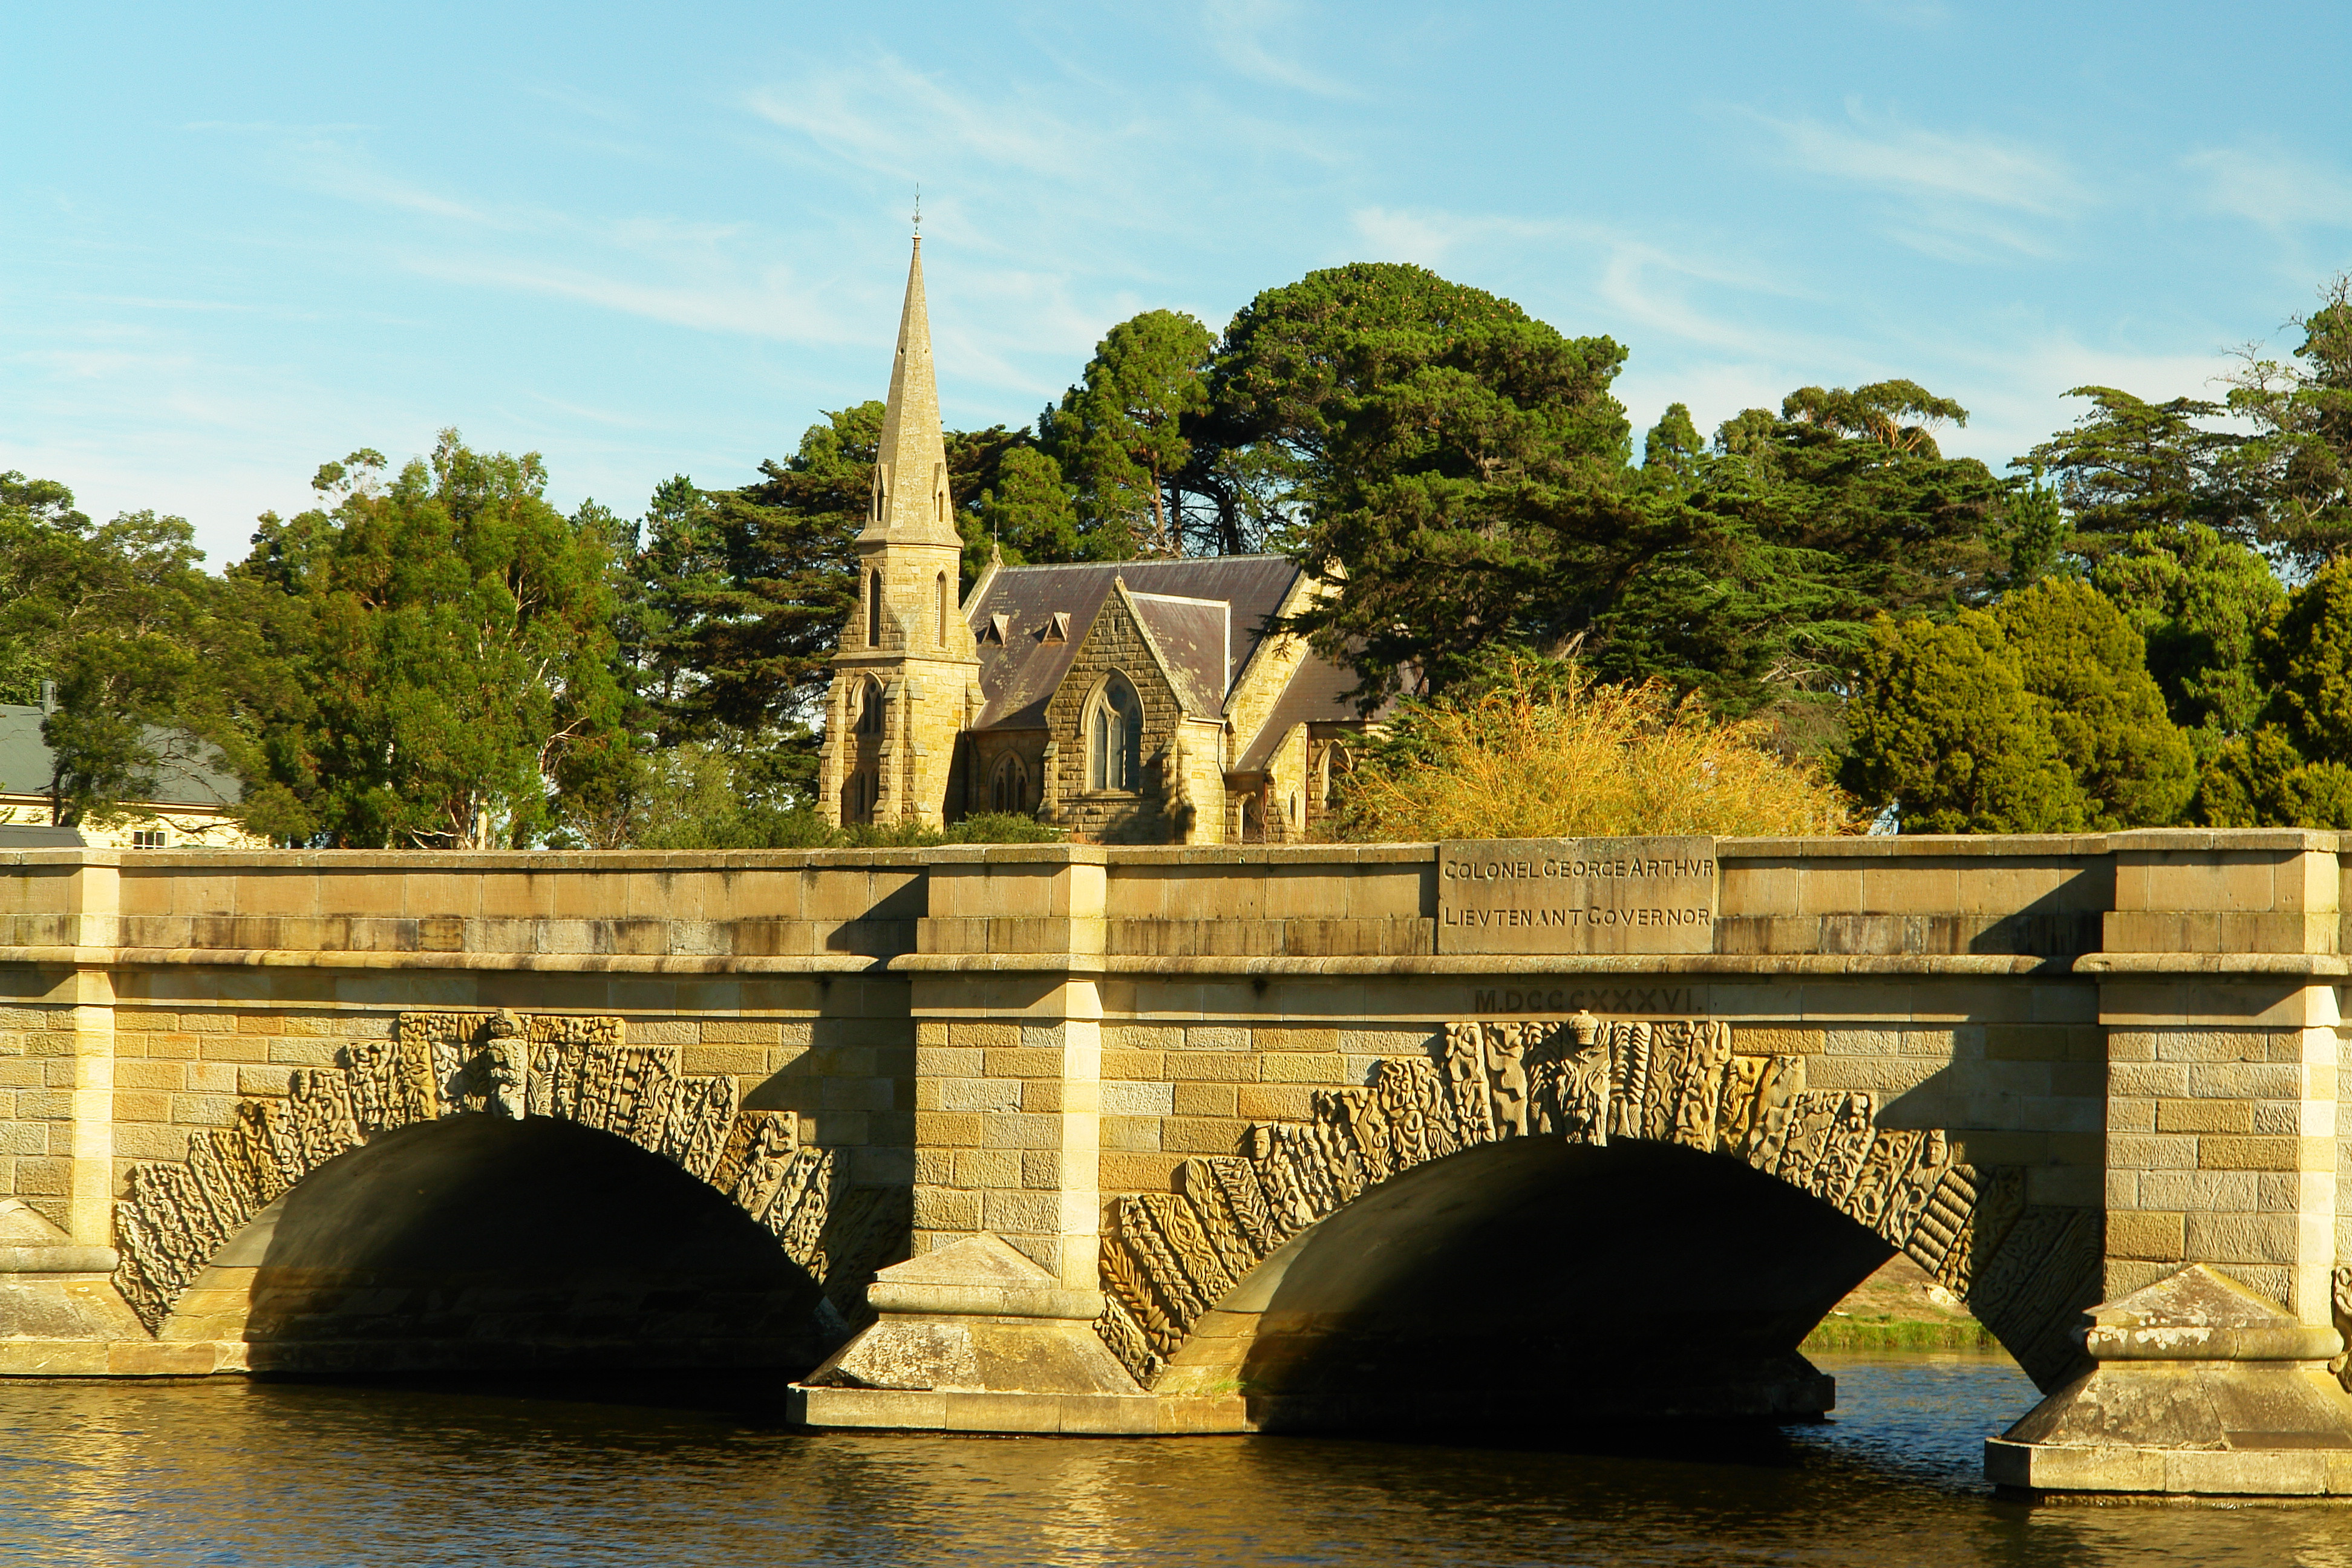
(647, 241)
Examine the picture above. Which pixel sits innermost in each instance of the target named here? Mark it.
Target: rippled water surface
(279, 1476)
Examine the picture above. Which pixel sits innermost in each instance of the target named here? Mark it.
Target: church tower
(906, 679)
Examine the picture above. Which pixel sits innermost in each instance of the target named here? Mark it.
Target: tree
(450, 639)
(45, 556)
(2129, 467)
(1029, 510)
(1671, 451)
(2036, 717)
(135, 639)
(1772, 550)
(1942, 731)
(2083, 661)
(2294, 769)
(1119, 434)
(2299, 464)
(2199, 601)
(1457, 460)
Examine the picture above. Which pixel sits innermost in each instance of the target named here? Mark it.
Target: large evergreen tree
(2298, 466)
(2038, 716)
(1777, 545)
(1456, 461)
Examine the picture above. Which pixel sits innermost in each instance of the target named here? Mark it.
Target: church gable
(1014, 614)
(1114, 724)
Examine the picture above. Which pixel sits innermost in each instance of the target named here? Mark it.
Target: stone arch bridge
(1158, 1139)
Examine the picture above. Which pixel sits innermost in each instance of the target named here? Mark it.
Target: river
(175, 1475)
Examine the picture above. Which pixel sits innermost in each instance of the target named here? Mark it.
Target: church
(1131, 702)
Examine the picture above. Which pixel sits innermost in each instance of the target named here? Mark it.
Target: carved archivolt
(1168, 1257)
(178, 1213)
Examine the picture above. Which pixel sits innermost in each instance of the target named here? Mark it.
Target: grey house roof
(30, 835)
(188, 777)
(1020, 674)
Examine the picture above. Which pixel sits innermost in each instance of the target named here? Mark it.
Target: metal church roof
(1020, 674)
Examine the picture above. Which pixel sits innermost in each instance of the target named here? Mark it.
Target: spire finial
(918, 209)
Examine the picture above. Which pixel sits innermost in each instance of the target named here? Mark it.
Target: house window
(146, 839)
(870, 706)
(873, 609)
(1115, 737)
(1009, 791)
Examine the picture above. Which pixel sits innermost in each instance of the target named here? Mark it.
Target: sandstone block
(2148, 1236)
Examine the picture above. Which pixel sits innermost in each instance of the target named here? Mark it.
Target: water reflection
(276, 1476)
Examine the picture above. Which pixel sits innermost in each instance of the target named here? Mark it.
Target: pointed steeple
(911, 502)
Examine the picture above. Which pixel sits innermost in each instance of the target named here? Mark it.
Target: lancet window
(1009, 790)
(1115, 737)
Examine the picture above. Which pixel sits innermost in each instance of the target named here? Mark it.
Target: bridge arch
(1267, 1269)
(241, 1185)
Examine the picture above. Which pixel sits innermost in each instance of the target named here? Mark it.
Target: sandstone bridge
(1158, 1139)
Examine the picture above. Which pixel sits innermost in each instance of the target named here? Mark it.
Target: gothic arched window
(1115, 736)
(858, 793)
(870, 706)
(873, 609)
(943, 609)
(1009, 790)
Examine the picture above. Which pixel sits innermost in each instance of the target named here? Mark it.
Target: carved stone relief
(1168, 1257)
(178, 1213)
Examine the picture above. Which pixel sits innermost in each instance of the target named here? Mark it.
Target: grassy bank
(1890, 1334)
(1899, 1309)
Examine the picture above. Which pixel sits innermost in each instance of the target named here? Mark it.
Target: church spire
(911, 505)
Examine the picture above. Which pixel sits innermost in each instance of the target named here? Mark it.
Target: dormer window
(1056, 627)
(998, 628)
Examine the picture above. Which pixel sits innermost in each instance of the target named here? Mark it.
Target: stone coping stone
(2163, 840)
(1063, 1414)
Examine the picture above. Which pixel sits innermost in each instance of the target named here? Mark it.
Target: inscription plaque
(1576, 894)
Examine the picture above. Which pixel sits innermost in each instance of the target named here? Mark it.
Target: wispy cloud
(1959, 196)
(890, 119)
(1907, 12)
(2272, 188)
(1263, 40)
(1931, 165)
(769, 306)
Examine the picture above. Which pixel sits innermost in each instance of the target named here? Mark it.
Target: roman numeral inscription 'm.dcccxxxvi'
(1576, 894)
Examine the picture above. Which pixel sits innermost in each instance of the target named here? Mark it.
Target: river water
(276, 1476)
